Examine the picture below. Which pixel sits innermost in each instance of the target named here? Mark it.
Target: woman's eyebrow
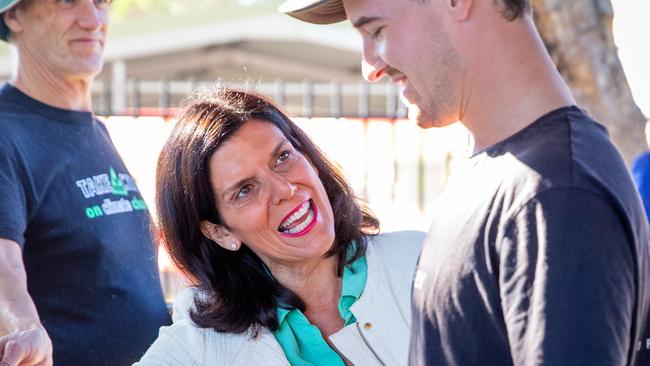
(278, 147)
(234, 186)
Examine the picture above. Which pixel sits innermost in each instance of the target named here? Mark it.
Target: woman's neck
(319, 286)
(316, 281)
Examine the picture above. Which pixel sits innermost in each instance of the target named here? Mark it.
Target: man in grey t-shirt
(538, 253)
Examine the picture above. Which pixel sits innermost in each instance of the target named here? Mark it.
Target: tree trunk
(578, 35)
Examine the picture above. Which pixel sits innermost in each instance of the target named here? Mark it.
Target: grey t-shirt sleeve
(566, 278)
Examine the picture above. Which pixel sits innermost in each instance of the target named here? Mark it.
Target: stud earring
(293, 190)
(233, 246)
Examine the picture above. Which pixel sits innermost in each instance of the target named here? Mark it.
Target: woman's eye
(284, 156)
(243, 191)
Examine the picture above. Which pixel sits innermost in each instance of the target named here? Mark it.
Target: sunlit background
(631, 33)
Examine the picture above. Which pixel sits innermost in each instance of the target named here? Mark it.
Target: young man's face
(407, 41)
(64, 36)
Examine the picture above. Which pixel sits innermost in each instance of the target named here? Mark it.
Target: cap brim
(315, 11)
(6, 4)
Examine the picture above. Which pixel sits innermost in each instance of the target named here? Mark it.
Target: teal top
(302, 342)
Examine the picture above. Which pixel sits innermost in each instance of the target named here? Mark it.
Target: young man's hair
(513, 9)
(510, 9)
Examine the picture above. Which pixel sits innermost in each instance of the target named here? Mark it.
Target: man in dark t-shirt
(538, 253)
(540, 247)
(78, 272)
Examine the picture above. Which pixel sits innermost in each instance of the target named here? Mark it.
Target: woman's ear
(220, 235)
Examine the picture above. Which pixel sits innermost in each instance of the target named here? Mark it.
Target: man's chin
(421, 118)
(89, 68)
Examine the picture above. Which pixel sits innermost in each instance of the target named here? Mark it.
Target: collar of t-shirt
(34, 106)
(302, 342)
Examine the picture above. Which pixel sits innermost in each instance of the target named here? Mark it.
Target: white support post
(119, 87)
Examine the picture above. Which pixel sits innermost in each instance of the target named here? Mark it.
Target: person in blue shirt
(641, 175)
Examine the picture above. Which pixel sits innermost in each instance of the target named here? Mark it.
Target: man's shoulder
(565, 149)
(565, 152)
(13, 118)
(17, 133)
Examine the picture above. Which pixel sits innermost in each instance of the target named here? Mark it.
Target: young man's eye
(377, 33)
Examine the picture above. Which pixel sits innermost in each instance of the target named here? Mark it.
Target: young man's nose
(373, 72)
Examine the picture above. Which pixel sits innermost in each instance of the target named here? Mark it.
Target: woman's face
(270, 196)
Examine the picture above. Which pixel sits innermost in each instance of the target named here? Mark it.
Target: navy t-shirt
(68, 200)
(538, 254)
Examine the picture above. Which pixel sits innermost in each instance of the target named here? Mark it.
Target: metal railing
(299, 99)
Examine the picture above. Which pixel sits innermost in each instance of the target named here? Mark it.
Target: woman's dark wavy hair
(236, 292)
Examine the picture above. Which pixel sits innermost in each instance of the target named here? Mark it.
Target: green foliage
(133, 17)
(123, 8)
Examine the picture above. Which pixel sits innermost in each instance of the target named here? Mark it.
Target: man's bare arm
(23, 340)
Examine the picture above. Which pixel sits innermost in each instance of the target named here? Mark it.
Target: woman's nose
(283, 189)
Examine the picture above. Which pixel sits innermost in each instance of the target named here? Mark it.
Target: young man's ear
(460, 8)
(220, 235)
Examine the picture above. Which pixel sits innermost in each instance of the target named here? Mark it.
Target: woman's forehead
(252, 136)
(253, 146)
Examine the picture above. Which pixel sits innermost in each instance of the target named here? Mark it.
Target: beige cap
(315, 11)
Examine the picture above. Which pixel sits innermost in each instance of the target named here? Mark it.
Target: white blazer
(379, 337)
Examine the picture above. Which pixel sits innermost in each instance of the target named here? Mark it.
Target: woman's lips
(296, 213)
(300, 221)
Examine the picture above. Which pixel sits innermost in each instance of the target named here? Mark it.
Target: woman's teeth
(286, 224)
(302, 226)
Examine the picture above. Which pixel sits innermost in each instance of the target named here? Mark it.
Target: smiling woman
(285, 260)
(270, 197)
